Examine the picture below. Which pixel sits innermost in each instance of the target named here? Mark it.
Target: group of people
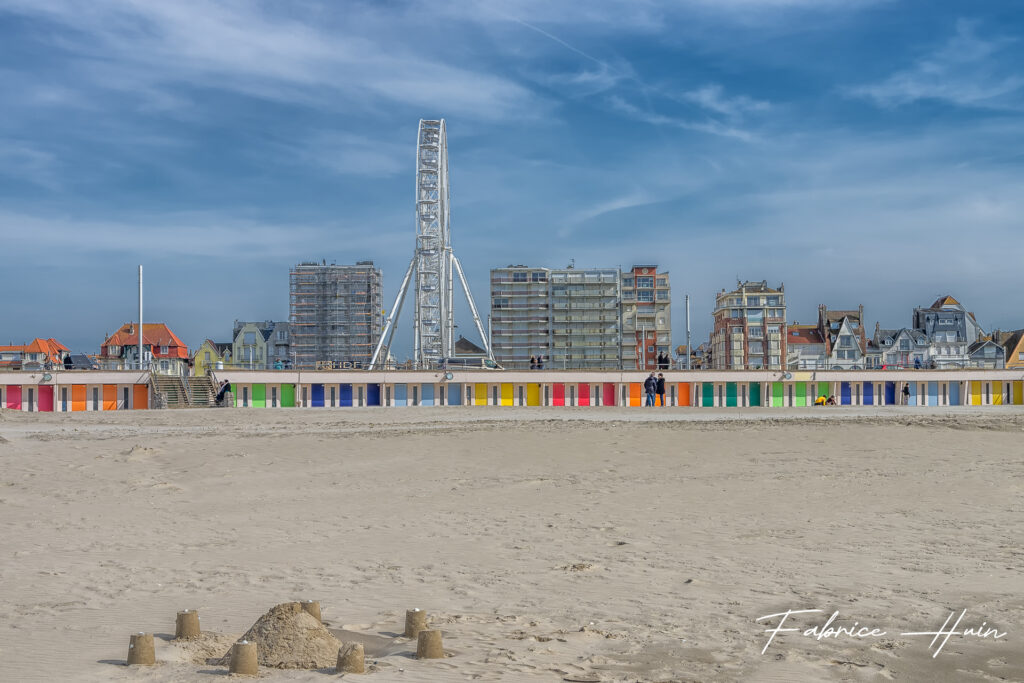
(536, 362)
(655, 386)
(822, 401)
(663, 360)
(222, 391)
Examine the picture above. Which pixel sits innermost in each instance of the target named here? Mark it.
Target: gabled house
(1013, 347)
(163, 352)
(986, 354)
(842, 333)
(902, 348)
(947, 320)
(805, 347)
(950, 329)
(264, 344)
(210, 355)
(38, 354)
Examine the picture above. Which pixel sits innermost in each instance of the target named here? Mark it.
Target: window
(629, 294)
(662, 295)
(1020, 355)
(646, 282)
(539, 276)
(756, 332)
(207, 356)
(501, 303)
(518, 276)
(904, 344)
(249, 339)
(650, 349)
(846, 341)
(756, 348)
(735, 313)
(755, 314)
(774, 329)
(774, 360)
(736, 301)
(772, 301)
(627, 282)
(663, 282)
(282, 335)
(113, 350)
(737, 330)
(163, 350)
(165, 366)
(645, 295)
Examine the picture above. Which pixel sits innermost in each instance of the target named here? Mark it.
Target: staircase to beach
(201, 391)
(173, 389)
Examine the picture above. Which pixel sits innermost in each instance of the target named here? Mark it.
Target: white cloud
(20, 160)
(350, 154)
(713, 98)
(709, 126)
(319, 56)
(966, 71)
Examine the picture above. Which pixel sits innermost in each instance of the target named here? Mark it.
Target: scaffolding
(335, 314)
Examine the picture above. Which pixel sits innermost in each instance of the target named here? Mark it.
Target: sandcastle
(289, 637)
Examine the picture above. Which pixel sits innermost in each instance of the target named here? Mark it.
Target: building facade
(843, 335)
(38, 354)
(805, 348)
(1013, 347)
(163, 351)
(265, 344)
(520, 319)
(569, 317)
(950, 329)
(646, 317)
(749, 328)
(211, 355)
(334, 314)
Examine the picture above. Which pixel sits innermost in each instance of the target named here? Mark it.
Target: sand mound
(289, 638)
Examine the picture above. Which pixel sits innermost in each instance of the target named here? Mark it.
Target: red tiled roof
(803, 334)
(154, 335)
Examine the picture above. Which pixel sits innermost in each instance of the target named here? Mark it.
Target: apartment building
(334, 314)
(749, 327)
(646, 317)
(570, 317)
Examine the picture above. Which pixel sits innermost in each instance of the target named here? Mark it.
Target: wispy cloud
(967, 71)
(23, 161)
(350, 154)
(713, 98)
(709, 126)
(153, 48)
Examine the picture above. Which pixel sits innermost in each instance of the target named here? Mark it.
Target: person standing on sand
(660, 387)
(906, 393)
(650, 387)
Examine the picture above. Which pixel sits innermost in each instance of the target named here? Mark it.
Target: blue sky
(861, 151)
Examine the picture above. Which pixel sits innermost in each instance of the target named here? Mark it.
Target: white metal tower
(434, 263)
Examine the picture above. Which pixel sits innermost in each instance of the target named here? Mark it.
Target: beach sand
(598, 544)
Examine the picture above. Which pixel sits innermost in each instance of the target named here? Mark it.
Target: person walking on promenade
(660, 387)
(650, 387)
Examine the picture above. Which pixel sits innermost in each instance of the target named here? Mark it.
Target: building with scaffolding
(334, 314)
(568, 317)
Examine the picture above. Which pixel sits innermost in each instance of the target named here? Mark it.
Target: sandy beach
(547, 545)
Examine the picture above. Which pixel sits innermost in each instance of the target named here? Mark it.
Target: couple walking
(655, 385)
